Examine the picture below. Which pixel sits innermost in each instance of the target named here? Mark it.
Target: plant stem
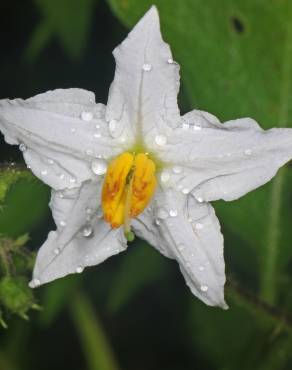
(270, 257)
(95, 345)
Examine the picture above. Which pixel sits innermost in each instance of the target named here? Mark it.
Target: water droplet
(199, 199)
(73, 129)
(170, 61)
(61, 195)
(79, 269)
(62, 176)
(34, 283)
(57, 251)
(147, 67)
(204, 288)
(87, 231)
(44, 172)
(201, 268)
(99, 166)
(197, 127)
(190, 219)
(162, 214)
(181, 247)
(247, 151)
(199, 226)
(97, 135)
(89, 152)
(97, 126)
(72, 180)
(165, 176)
(185, 126)
(177, 169)
(157, 221)
(88, 210)
(22, 147)
(173, 213)
(160, 140)
(112, 125)
(51, 161)
(86, 116)
(185, 191)
(62, 223)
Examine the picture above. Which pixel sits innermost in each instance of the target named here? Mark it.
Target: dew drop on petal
(112, 125)
(97, 126)
(72, 180)
(181, 247)
(88, 210)
(79, 269)
(86, 116)
(62, 223)
(173, 213)
(147, 67)
(177, 169)
(157, 221)
(62, 176)
(247, 151)
(73, 129)
(197, 127)
(57, 251)
(185, 191)
(165, 176)
(199, 226)
(201, 268)
(204, 288)
(44, 172)
(97, 135)
(199, 199)
(87, 231)
(160, 140)
(185, 126)
(162, 214)
(170, 61)
(34, 283)
(99, 166)
(61, 195)
(22, 147)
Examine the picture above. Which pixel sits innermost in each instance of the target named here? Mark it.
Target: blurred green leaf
(56, 296)
(68, 20)
(140, 268)
(26, 204)
(236, 61)
(94, 342)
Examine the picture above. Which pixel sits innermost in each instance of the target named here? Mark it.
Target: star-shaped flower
(138, 166)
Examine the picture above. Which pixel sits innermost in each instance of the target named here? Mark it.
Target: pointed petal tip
(150, 18)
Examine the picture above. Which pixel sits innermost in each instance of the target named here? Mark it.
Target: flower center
(128, 188)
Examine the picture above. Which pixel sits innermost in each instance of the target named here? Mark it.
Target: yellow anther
(128, 187)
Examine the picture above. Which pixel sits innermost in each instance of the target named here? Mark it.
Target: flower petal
(61, 133)
(146, 83)
(190, 232)
(82, 238)
(224, 161)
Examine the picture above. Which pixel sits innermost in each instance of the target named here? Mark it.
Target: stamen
(128, 188)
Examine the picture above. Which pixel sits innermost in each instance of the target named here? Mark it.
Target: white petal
(146, 83)
(191, 234)
(57, 133)
(83, 239)
(225, 161)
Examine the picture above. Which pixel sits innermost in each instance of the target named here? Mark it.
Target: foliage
(235, 59)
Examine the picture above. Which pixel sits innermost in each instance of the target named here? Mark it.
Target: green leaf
(26, 203)
(96, 347)
(141, 267)
(236, 60)
(68, 20)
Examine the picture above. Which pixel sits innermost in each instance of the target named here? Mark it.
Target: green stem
(270, 258)
(95, 345)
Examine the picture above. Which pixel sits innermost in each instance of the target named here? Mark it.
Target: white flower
(180, 162)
